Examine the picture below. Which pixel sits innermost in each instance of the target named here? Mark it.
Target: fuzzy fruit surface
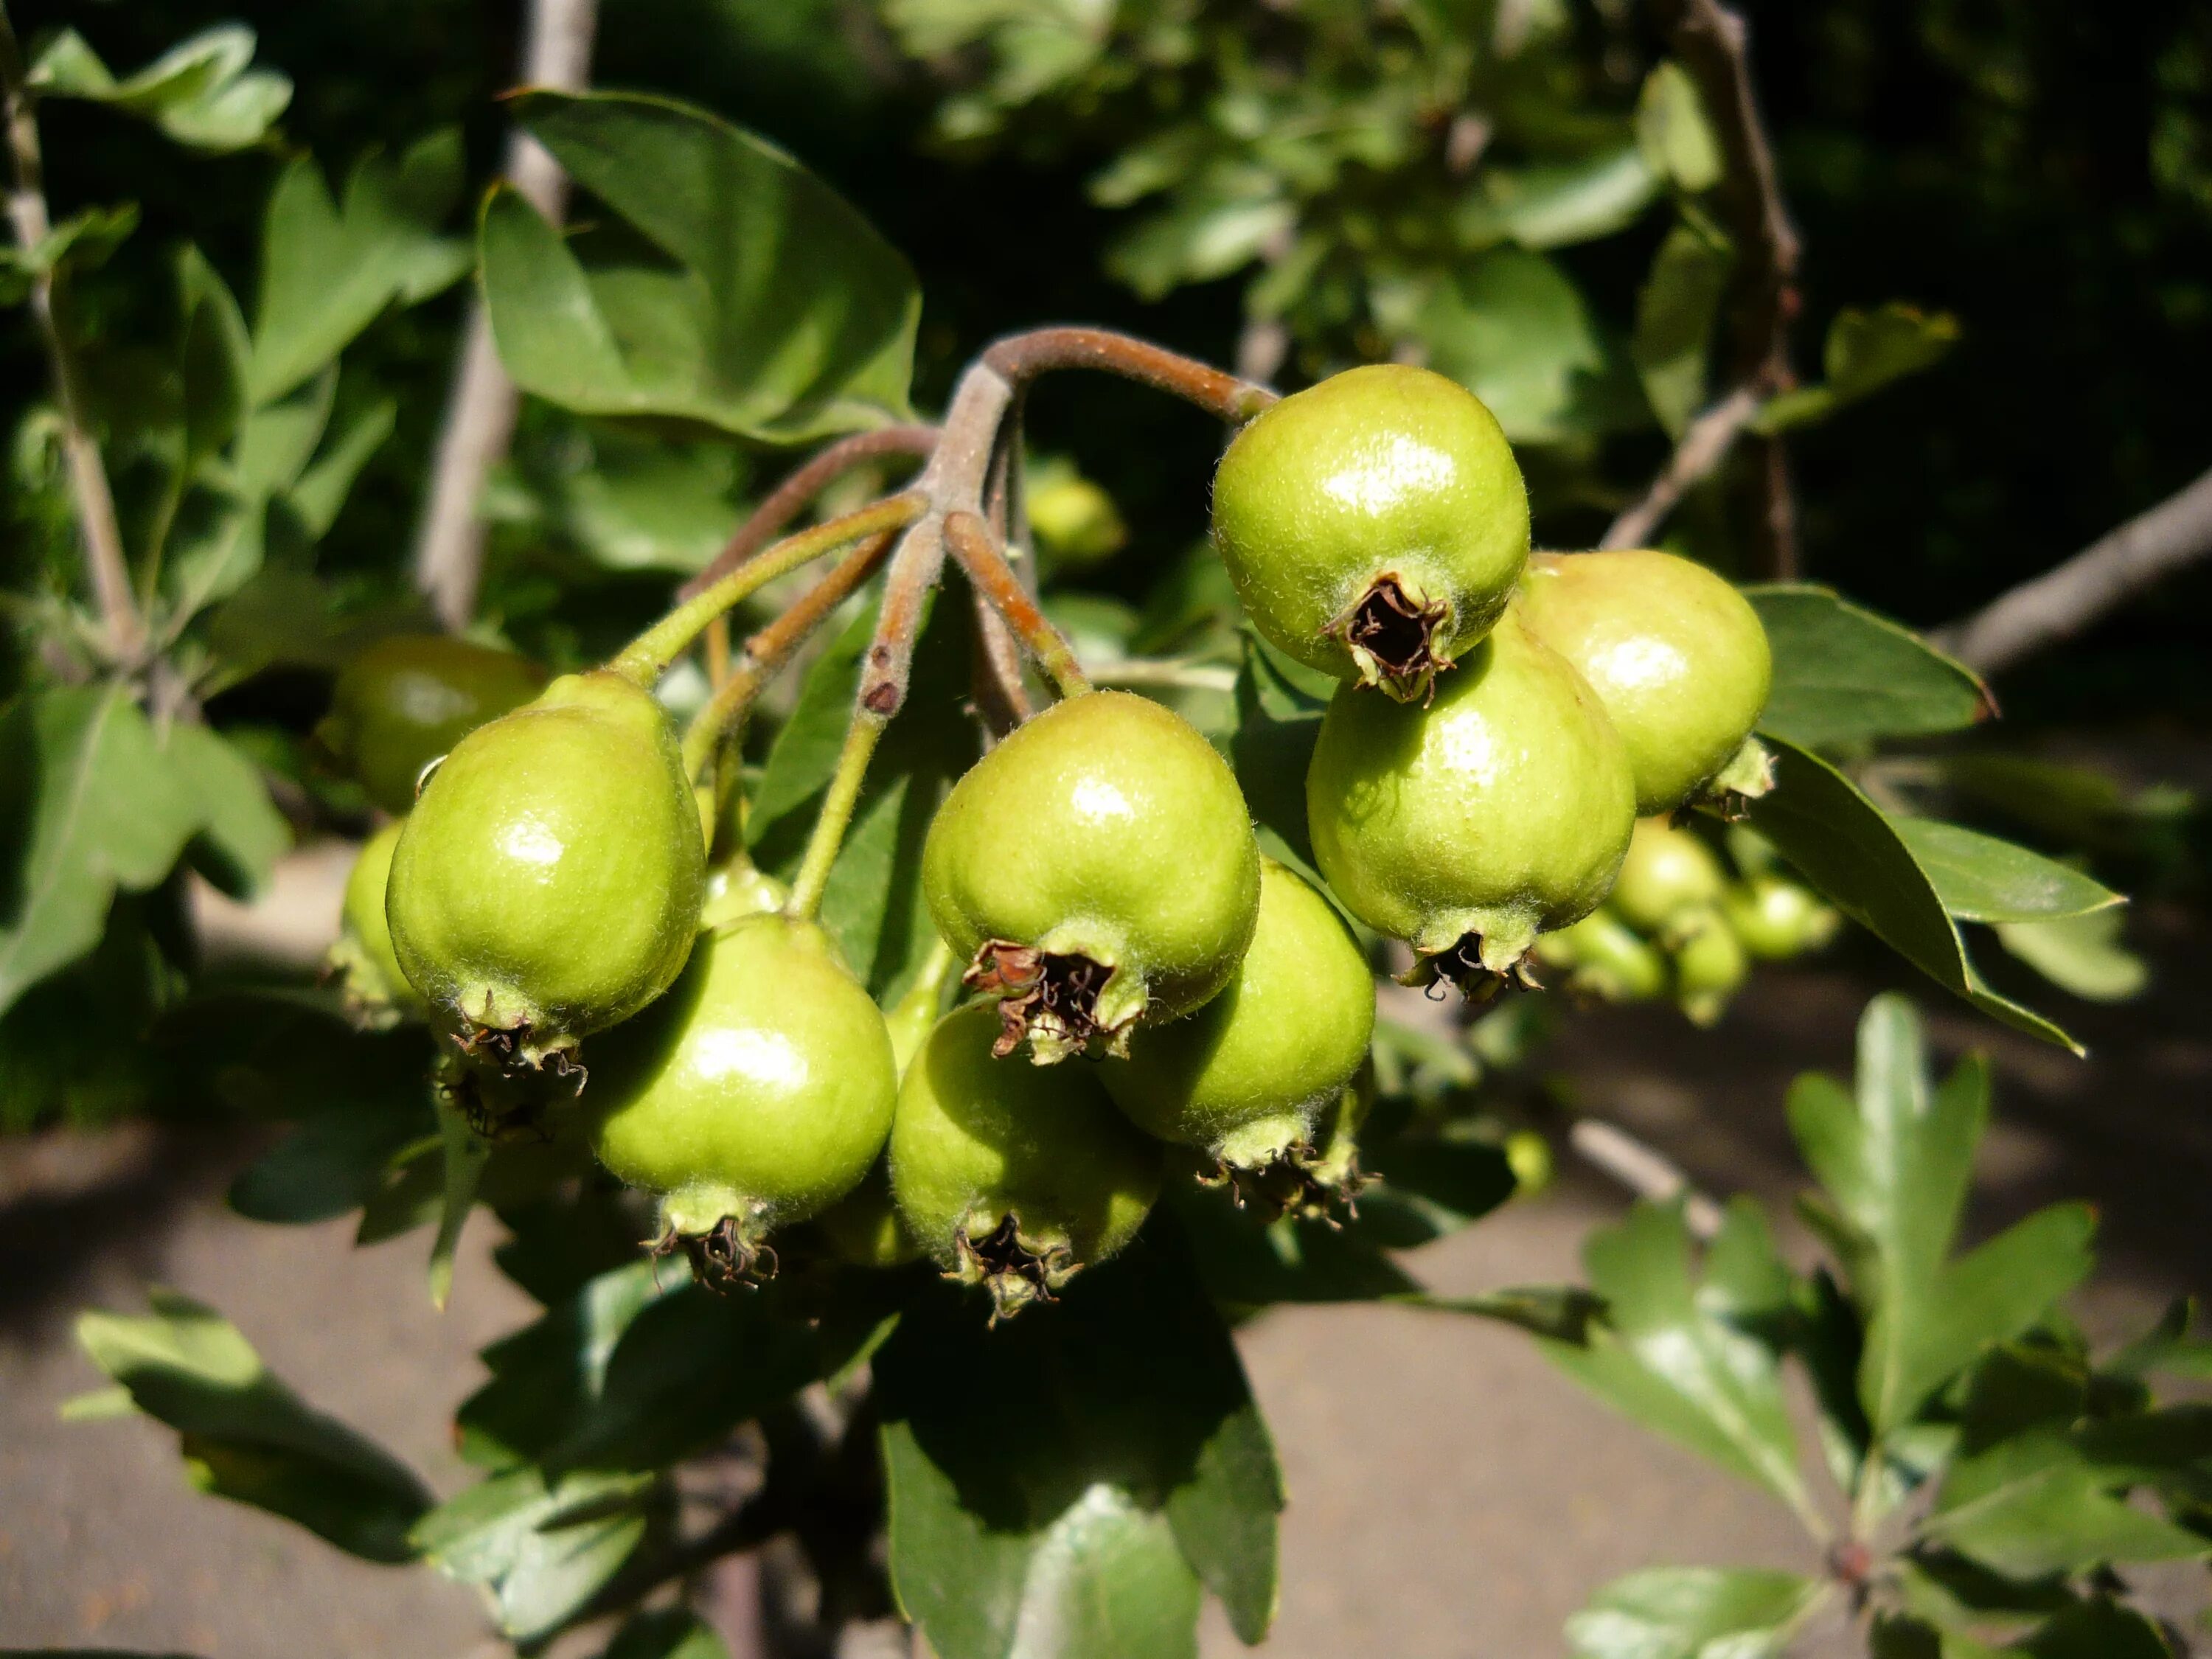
(404, 701)
(1678, 657)
(376, 991)
(1247, 1075)
(1667, 873)
(550, 877)
(1105, 829)
(1778, 919)
(1602, 956)
(1500, 810)
(760, 1087)
(978, 1142)
(1385, 472)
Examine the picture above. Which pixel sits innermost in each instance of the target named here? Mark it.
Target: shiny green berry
(377, 994)
(549, 880)
(755, 1094)
(1710, 964)
(404, 700)
(1375, 524)
(1601, 956)
(1246, 1077)
(1666, 873)
(1012, 1176)
(1678, 657)
(1777, 919)
(1097, 868)
(1468, 827)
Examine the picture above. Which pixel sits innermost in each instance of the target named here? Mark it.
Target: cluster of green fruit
(1501, 721)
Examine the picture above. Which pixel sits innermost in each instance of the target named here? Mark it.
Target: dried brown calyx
(1391, 634)
(1049, 998)
(1460, 964)
(1748, 775)
(500, 1103)
(1016, 1270)
(722, 1257)
(1303, 1182)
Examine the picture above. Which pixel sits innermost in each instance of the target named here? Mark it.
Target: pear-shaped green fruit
(1678, 657)
(1375, 524)
(1601, 956)
(549, 880)
(756, 1093)
(738, 889)
(1668, 872)
(1468, 827)
(1710, 964)
(1013, 1177)
(377, 994)
(1248, 1076)
(1095, 869)
(1777, 919)
(404, 700)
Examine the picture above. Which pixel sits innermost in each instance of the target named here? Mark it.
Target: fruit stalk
(647, 656)
(979, 556)
(1021, 357)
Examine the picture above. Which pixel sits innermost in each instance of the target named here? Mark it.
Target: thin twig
(978, 556)
(109, 572)
(1704, 444)
(1021, 357)
(784, 503)
(1644, 1171)
(480, 412)
(2104, 575)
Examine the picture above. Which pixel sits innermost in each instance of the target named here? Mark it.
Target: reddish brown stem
(783, 503)
(1023, 357)
(979, 556)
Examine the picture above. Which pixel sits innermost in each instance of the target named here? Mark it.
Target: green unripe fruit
(1668, 872)
(1710, 963)
(403, 702)
(377, 994)
(1097, 868)
(1678, 657)
(864, 1227)
(1012, 1176)
(1072, 521)
(1468, 827)
(1375, 524)
(1528, 1155)
(1777, 919)
(756, 1093)
(549, 880)
(1601, 956)
(1248, 1075)
(735, 891)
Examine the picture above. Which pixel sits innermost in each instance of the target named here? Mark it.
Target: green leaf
(88, 805)
(1563, 1313)
(247, 1437)
(321, 490)
(1693, 1612)
(1845, 675)
(2057, 1520)
(241, 834)
(1674, 132)
(1662, 1360)
(1244, 1261)
(1430, 1188)
(779, 313)
(200, 92)
(1981, 879)
(667, 1633)
(84, 241)
(2081, 955)
(1278, 714)
(333, 1162)
(1558, 204)
(1842, 844)
(1675, 312)
(2097, 1629)
(462, 1153)
(1865, 351)
(1112, 1463)
(1896, 1161)
(542, 1545)
(215, 547)
(213, 360)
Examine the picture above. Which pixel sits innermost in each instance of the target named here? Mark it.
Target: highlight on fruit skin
(376, 991)
(401, 702)
(1014, 1178)
(757, 1094)
(1777, 919)
(1248, 1078)
(1375, 524)
(1095, 869)
(550, 881)
(1468, 827)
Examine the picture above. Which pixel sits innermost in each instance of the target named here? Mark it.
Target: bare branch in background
(1705, 443)
(2101, 577)
(105, 563)
(480, 412)
(1644, 1171)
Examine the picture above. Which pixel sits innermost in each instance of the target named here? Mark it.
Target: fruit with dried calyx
(377, 994)
(1777, 919)
(1468, 827)
(1677, 656)
(1375, 524)
(404, 700)
(755, 1094)
(1095, 869)
(550, 881)
(1668, 872)
(1014, 1178)
(1248, 1077)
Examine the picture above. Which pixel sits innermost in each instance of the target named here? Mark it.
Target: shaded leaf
(1674, 313)
(1981, 879)
(542, 1547)
(2057, 1520)
(1558, 204)
(1244, 1259)
(1844, 675)
(241, 835)
(212, 362)
(200, 92)
(667, 1633)
(1278, 714)
(1692, 1613)
(2081, 955)
(1864, 352)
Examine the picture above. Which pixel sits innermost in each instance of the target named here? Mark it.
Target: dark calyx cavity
(1303, 1182)
(722, 1257)
(1041, 993)
(1014, 1273)
(1394, 632)
(1462, 966)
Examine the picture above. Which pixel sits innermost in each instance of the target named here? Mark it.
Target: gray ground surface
(1450, 1496)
